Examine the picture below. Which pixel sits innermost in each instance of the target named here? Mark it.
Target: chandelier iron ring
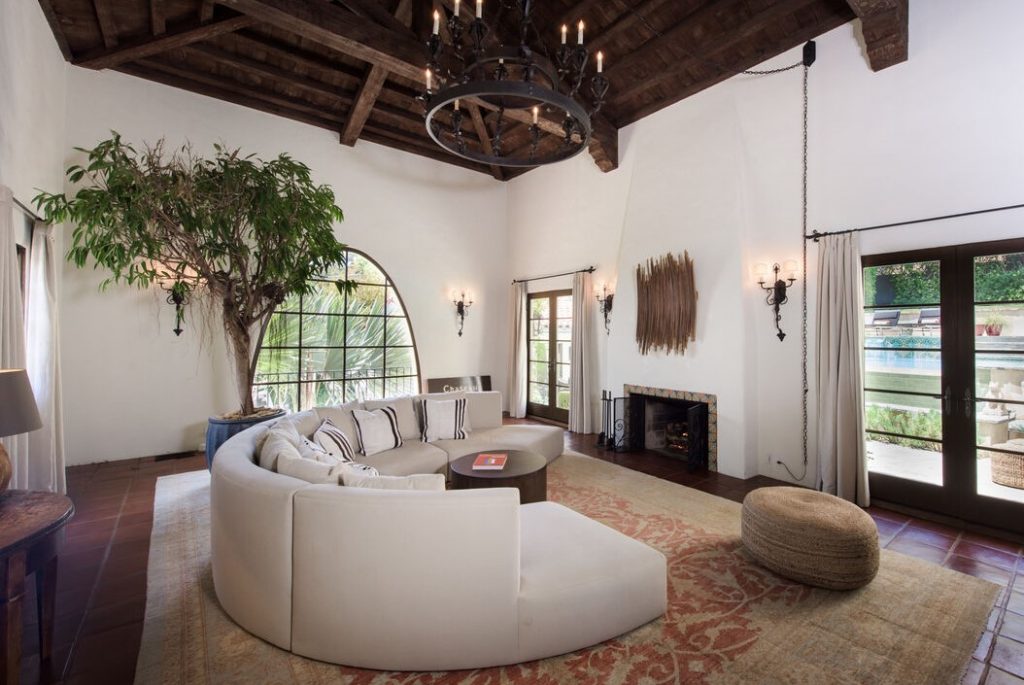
(577, 120)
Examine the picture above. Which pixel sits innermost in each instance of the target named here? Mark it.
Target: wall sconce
(604, 304)
(776, 286)
(461, 308)
(177, 294)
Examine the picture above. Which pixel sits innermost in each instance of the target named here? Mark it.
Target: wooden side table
(31, 533)
(524, 470)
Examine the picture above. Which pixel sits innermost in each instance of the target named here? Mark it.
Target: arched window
(329, 347)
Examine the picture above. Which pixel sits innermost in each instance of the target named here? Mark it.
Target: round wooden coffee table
(527, 471)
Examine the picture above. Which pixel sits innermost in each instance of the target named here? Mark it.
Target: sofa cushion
(334, 441)
(582, 582)
(309, 470)
(467, 424)
(476, 442)
(408, 424)
(342, 418)
(280, 441)
(377, 430)
(305, 422)
(444, 420)
(410, 458)
(417, 481)
(545, 440)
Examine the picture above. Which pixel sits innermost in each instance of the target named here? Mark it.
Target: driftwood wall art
(666, 308)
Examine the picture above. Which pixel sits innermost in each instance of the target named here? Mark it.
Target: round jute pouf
(810, 537)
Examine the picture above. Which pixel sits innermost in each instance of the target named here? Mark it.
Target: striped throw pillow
(444, 420)
(378, 430)
(334, 441)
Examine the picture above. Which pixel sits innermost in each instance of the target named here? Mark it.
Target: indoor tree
(234, 232)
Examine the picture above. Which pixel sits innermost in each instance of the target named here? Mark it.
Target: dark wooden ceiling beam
(710, 48)
(157, 19)
(578, 11)
(792, 40)
(373, 10)
(333, 27)
(178, 37)
(206, 10)
(370, 88)
(105, 19)
(369, 91)
(484, 136)
(886, 30)
(58, 32)
(625, 22)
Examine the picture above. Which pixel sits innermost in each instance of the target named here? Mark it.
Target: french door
(944, 380)
(549, 352)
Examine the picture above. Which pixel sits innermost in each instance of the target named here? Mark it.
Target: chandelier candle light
(519, 85)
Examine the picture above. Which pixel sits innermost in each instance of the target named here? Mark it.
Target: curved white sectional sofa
(416, 580)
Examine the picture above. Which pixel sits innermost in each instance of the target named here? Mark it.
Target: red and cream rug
(729, 620)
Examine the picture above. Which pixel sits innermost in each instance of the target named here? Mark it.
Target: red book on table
(488, 461)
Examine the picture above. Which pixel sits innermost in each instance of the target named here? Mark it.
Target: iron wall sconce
(177, 294)
(604, 304)
(776, 287)
(461, 309)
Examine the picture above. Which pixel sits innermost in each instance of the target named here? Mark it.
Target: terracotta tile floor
(102, 585)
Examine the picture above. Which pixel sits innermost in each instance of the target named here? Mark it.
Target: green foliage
(926, 424)
(996, 278)
(244, 232)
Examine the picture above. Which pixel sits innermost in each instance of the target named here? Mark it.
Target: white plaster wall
(718, 174)
(132, 388)
(32, 87)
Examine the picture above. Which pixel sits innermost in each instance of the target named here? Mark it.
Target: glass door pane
(903, 371)
(999, 376)
(549, 352)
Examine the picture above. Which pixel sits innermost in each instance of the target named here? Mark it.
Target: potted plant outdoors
(234, 234)
(994, 324)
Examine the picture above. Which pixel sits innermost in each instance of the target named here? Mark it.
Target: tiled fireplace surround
(710, 400)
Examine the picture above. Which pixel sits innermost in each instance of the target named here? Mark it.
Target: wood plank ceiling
(356, 66)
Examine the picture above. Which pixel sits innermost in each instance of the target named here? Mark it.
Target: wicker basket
(1008, 469)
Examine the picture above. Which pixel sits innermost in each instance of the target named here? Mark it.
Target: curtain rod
(25, 208)
(589, 270)
(816, 234)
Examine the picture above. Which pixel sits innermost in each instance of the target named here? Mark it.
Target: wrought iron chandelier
(516, 84)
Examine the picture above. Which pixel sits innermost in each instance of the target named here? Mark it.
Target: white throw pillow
(334, 441)
(421, 400)
(420, 481)
(280, 441)
(309, 470)
(377, 430)
(408, 425)
(444, 420)
(341, 416)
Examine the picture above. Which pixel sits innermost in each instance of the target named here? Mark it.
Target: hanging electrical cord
(807, 61)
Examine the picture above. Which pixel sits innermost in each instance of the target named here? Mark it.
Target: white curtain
(517, 352)
(44, 467)
(842, 461)
(580, 409)
(12, 325)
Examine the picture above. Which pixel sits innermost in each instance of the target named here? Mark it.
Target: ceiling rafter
(144, 47)
(484, 136)
(711, 47)
(625, 22)
(371, 87)
(157, 19)
(885, 25)
(105, 19)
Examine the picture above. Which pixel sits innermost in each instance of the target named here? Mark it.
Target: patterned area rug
(729, 621)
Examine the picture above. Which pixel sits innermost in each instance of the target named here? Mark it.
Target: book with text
(488, 461)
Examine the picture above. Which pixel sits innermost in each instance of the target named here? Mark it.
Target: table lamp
(18, 414)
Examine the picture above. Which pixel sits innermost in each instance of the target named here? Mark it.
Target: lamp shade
(18, 410)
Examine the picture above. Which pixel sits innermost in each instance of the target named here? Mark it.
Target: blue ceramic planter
(219, 430)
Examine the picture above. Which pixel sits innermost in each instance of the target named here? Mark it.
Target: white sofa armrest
(394, 580)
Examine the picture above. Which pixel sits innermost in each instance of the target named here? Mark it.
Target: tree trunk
(240, 342)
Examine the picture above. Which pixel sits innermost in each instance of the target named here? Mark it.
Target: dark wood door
(944, 380)
(549, 353)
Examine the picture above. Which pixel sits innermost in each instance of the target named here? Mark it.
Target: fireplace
(677, 423)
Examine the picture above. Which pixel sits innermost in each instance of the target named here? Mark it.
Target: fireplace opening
(677, 424)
